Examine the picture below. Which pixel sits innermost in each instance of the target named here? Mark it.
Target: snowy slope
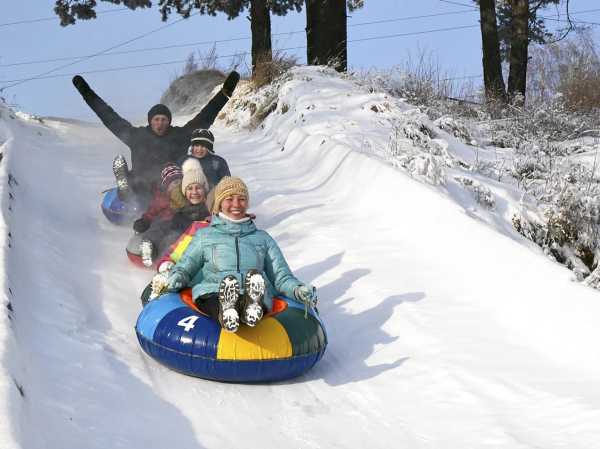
(446, 329)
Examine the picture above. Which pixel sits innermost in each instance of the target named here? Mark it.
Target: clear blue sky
(131, 92)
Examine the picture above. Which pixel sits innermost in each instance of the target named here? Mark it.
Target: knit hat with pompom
(193, 173)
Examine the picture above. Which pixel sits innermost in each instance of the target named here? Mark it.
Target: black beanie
(159, 109)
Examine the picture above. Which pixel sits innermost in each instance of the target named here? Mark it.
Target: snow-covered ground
(446, 329)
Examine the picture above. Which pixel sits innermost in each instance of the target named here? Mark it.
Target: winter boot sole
(120, 171)
(254, 292)
(147, 252)
(229, 293)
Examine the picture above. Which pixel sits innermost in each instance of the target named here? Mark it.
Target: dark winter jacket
(186, 215)
(213, 166)
(150, 152)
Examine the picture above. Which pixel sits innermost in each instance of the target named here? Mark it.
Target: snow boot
(254, 292)
(120, 171)
(229, 294)
(147, 252)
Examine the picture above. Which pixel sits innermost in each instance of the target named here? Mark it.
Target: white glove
(165, 266)
(159, 285)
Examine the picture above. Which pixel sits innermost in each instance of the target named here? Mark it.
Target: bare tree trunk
(492, 63)
(519, 42)
(262, 55)
(326, 34)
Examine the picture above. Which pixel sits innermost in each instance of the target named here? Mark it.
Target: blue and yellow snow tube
(117, 211)
(283, 345)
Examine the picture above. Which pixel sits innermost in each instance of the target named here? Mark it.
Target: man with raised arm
(154, 145)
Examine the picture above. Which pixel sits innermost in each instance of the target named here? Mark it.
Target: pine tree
(326, 32)
(507, 29)
(518, 55)
(492, 63)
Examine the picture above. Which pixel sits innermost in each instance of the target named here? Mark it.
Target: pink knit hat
(170, 173)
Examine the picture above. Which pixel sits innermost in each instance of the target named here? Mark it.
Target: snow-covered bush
(542, 137)
(420, 80)
(543, 123)
(252, 105)
(569, 228)
(417, 88)
(482, 194)
(455, 127)
(412, 148)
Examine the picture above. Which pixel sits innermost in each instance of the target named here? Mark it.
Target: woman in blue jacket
(234, 268)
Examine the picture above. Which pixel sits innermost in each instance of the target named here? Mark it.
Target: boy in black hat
(202, 148)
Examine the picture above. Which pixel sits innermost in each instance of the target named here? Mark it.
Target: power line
(44, 19)
(104, 52)
(191, 44)
(388, 36)
(458, 3)
(413, 33)
(553, 18)
(574, 21)
(425, 16)
(241, 38)
(139, 50)
(141, 66)
(41, 75)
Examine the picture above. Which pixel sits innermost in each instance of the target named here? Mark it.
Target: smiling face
(159, 124)
(235, 206)
(199, 150)
(194, 193)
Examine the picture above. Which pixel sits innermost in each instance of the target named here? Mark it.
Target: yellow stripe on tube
(181, 247)
(268, 340)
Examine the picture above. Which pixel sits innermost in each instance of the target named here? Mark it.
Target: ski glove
(230, 83)
(159, 285)
(141, 225)
(177, 280)
(306, 294)
(81, 84)
(165, 267)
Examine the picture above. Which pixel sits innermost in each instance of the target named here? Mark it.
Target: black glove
(141, 225)
(81, 84)
(230, 83)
